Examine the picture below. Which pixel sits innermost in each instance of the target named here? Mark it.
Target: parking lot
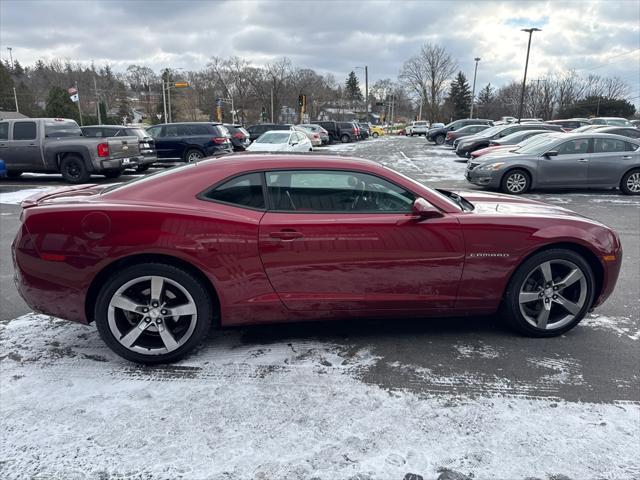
(375, 399)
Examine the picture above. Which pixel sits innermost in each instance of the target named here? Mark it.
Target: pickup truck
(56, 145)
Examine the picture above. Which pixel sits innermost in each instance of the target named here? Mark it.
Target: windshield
(491, 131)
(62, 128)
(535, 145)
(432, 190)
(274, 137)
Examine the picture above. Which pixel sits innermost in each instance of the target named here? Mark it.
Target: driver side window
(573, 147)
(336, 191)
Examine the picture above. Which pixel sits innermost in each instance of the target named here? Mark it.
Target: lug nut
(145, 309)
(546, 300)
(555, 288)
(154, 304)
(158, 321)
(147, 319)
(555, 296)
(163, 312)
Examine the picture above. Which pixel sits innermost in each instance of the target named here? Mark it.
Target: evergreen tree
(7, 101)
(60, 105)
(124, 106)
(18, 71)
(27, 101)
(352, 89)
(485, 103)
(460, 97)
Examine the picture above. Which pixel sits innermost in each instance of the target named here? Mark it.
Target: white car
(418, 127)
(281, 141)
(313, 137)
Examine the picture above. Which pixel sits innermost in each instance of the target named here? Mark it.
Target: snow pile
(276, 409)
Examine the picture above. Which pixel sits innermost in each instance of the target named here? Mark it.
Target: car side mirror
(293, 144)
(422, 209)
(551, 153)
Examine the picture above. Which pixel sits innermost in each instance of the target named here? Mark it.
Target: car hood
(489, 203)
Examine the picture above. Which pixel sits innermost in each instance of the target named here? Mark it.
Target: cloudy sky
(601, 37)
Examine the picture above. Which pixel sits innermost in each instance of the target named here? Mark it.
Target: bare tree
(427, 75)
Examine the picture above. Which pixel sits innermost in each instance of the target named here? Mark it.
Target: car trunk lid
(63, 194)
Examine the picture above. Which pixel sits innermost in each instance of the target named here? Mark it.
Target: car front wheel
(345, 138)
(153, 313)
(439, 139)
(549, 294)
(515, 182)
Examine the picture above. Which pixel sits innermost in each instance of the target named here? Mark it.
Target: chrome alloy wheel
(553, 294)
(633, 182)
(516, 182)
(152, 315)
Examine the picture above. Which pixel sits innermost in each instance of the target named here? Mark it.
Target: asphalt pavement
(475, 369)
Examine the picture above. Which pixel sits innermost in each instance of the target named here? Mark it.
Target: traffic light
(302, 100)
(381, 104)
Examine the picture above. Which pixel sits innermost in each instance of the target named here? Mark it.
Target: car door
(611, 157)
(345, 240)
(568, 168)
(23, 148)
(4, 138)
(303, 142)
(171, 142)
(159, 141)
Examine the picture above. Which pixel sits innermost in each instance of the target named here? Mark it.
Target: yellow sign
(181, 84)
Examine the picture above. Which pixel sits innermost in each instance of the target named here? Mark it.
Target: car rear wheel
(374, 134)
(630, 183)
(192, 156)
(345, 138)
(515, 182)
(549, 294)
(13, 174)
(74, 170)
(142, 168)
(439, 139)
(153, 313)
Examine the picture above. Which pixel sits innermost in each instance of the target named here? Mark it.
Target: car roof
(277, 160)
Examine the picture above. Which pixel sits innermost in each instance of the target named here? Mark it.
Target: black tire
(345, 138)
(375, 134)
(192, 155)
(143, 168)
(112, 173)
(515, 182)
(511, 309)
(74, 170)
(197, 290)
(630, 183)
(439, 139)
(13, 174)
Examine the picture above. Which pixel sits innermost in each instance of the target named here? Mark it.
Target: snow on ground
(14, 198)
(621, 326)
(278, 410)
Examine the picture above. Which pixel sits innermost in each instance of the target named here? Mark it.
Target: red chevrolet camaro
(254, 239)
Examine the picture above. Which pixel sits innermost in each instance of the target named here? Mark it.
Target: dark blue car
(189, 142)
(3, 169)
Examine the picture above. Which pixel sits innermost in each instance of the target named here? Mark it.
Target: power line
(608, 63)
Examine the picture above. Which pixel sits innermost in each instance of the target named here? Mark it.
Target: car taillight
(449, 135)
(219, 140)
(315, 135)
(238, 135)
(103, 149)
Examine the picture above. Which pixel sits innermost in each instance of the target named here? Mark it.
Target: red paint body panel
(338, 265)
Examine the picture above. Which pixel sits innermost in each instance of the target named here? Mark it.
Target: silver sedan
(561, 161)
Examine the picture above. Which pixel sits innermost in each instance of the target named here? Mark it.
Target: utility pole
(11, 56)
(164, 102)
(271, 104)
(473, 92)
(168, 84)
(366, 93)
(95, 89)
(15, 97)
(526, 66)
(79, 110)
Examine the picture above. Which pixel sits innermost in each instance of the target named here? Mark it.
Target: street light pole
(473, 92)
(164, 102)
(11, 56)
(526, 66)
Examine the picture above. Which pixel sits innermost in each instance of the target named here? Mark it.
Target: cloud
(331, 36)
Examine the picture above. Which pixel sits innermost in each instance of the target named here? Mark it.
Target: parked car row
(561, 160)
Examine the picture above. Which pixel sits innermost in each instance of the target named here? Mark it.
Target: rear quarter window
(243, 191)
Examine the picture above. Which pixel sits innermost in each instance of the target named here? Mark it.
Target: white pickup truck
(56, 145)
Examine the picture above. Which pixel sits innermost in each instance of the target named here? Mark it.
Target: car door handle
(286, 235)
(583, 160)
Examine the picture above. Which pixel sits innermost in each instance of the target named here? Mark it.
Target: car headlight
(492, 166)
